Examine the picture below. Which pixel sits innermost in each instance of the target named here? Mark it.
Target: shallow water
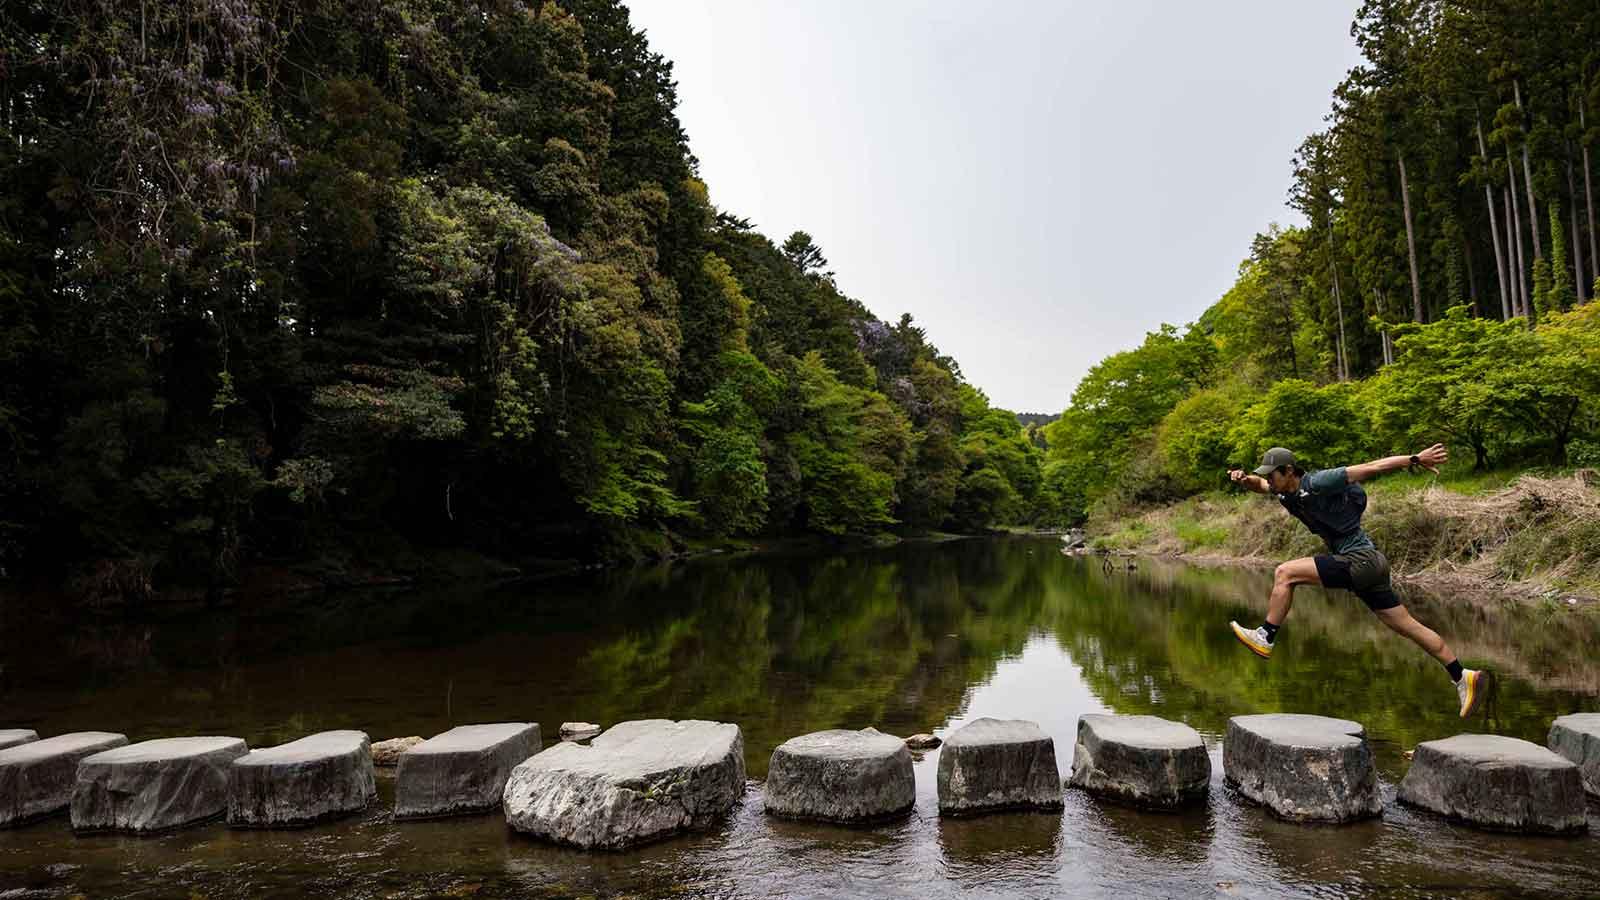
(920, 637)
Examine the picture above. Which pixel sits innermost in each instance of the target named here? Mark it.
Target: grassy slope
(1528, 534)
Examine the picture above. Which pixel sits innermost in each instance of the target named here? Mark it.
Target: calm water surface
(921, 637)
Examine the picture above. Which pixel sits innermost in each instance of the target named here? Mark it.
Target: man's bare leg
(1284, 579)
(1472, 686)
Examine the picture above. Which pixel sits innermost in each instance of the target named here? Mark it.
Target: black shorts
(1364, 573)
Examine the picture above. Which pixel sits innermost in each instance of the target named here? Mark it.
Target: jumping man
(1330, 503)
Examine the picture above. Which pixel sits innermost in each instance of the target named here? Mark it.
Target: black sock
(1454, 668)
(1271, 630)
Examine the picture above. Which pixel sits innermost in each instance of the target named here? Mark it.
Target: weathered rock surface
(1303, 768)
(578, 731)
(36, 778)
(996, 764)
(461, 771)
(387, 753)
(154, 785)
(1496, 782)
(11, 737)
(640, 781)
(1577, 738)
(1141, 760)
(922, 742)
(314, 778)
(841, 776)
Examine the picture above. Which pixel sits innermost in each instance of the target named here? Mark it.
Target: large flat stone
(305, 781)
(1496, 782)
(154, 785)
(36, 778)
(11, 737)
(461, 771)
(997, 764)
(841, 776)
(1303, 768)
(640, 781)
(1141, 760)
(1577, 738)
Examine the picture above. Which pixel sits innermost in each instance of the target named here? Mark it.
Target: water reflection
(907, 639)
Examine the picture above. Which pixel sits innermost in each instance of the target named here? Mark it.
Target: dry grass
(1534, 537)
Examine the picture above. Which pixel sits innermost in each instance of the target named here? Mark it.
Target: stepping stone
(36, 778)
(387, 753)
(1496, 782)
(997, 764)
(922, 742)
(640, 781)
(1577, 737)
(154, 785)
(841, 776)
(11, 737)
(1142, 760)
(1303, 768)
(314, 778)
(461, 771)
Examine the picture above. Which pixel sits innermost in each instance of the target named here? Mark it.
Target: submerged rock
(922, 742)
(1303, 768)
(997, 764)
(639, 781)
(1577, 738)
(36, 778)
(461, 771)
(1497, 782)
(1142, 760)
(841, 776)
(578, 731)
(387, 753)
(11, 737)
(301, 782)
(154, 785)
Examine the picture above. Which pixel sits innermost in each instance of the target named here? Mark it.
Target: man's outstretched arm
(1430, 459)
(1249, 482)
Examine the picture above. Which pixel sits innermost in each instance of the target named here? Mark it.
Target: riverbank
(1524, 536)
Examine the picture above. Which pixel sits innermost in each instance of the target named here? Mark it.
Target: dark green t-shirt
(1331, 507)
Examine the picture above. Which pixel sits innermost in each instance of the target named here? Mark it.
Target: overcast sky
(1037, 183)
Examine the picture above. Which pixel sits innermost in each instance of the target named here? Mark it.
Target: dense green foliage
(280, 280)
(1450, 228)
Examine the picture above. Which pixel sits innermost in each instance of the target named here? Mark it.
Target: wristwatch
(1415, 462)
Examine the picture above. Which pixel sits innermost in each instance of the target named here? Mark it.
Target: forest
(1438, 289)
(289, 280)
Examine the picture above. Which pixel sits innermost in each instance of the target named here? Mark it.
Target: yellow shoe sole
(1478, 687)
(1262, 650)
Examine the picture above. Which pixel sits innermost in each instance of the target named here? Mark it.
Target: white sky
(1037, 183)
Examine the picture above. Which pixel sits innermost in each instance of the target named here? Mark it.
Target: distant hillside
(1041, 419)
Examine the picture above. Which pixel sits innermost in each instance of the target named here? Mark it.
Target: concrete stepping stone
(1496, 782)
(154, 785)
(387, 753)
(36, 778)
(461, 771)
(579, 731)
(11, 737)
(317, 777)
(1141, 760)
(990, 765)
(1577, 738)
(1303, 768)
(639, 781)
(841, 776)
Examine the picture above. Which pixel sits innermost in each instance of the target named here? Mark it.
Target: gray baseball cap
(1272, 459)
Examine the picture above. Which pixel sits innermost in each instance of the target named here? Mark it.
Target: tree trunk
(1411, 244)
(1524, 286)
(1472, 276)
(1588, 190)
(1494, 231)
(1582, 293)
(1338, 303)
(1527, 179)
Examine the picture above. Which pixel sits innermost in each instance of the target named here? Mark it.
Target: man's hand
(1248, 481)
(1236, 475)
(1433, 457)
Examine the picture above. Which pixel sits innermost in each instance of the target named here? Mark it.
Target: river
(917, 637)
